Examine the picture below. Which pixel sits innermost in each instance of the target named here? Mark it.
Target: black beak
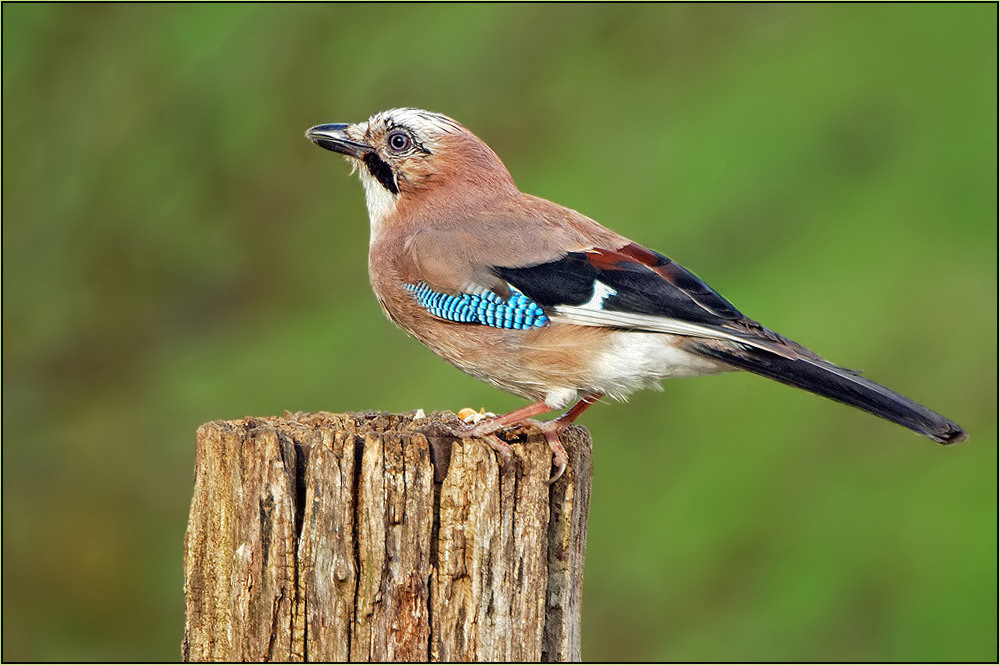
(333, 137)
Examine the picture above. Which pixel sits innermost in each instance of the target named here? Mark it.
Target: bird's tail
(838, 384)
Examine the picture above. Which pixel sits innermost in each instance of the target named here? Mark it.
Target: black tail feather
(838, 384)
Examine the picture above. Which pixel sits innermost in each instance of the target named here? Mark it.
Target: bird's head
(409, 158)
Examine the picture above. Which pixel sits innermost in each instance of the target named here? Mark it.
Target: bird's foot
(473, 424)
(471, 427)
(551, 429)
(483, 425)
(503, 450)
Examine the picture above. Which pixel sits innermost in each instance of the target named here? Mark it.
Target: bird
(541, 301)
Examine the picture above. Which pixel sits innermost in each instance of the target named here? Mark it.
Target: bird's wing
(634, 288)
(628, 288)
(508, 281)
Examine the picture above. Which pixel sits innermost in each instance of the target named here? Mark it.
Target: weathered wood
(570, 503)
(377, 537)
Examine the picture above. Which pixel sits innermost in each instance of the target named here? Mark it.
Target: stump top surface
(302, 426)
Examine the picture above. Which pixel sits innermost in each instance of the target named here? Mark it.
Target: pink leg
(577, 409)
(494, 425)
(487, 429)
(524, 416)
(553, 428)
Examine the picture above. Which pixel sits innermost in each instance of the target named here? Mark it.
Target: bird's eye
(399, 141)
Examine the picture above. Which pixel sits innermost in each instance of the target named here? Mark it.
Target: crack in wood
(471, 562)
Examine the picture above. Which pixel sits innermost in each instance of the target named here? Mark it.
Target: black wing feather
(651, 284)
(570, 280)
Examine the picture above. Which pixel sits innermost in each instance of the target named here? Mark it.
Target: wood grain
(378, 537)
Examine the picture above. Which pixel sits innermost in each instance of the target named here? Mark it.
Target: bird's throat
(380, 201)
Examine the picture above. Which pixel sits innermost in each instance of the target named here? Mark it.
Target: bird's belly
(558, 363)
(630, 361)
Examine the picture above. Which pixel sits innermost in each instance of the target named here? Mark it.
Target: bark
(378, 537)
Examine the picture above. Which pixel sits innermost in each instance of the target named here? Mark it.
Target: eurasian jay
(546, 303)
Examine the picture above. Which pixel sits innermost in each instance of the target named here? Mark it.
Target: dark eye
(399, 141)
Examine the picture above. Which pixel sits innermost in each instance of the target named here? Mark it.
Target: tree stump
(378, 537)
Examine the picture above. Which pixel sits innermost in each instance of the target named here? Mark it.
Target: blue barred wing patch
(518, 312)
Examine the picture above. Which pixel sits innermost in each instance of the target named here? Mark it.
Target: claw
(483, 425)
(560, 458)
(561, 467)
(503, 450)
(467, 430)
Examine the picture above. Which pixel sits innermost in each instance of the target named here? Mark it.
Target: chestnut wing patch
(628, 286)
(634, 288)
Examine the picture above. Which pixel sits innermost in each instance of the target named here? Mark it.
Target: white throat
(381, 202)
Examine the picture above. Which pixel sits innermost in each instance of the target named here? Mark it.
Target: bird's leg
(494, 425)
(487, 429)
(553, 428)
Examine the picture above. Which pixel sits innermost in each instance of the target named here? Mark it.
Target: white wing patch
(601, 293)
(590, 315)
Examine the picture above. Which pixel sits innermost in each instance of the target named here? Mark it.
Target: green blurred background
(174, 251)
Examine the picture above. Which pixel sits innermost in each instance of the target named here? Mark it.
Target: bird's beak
(333, 137)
